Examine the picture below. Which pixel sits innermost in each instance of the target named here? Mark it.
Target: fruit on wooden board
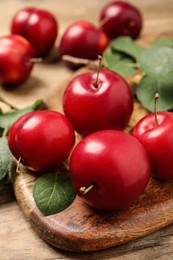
(109, 169)
(98, 100)
(157, 138)
(41, 140)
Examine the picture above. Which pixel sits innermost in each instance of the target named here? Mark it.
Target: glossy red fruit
(158, 141)
(83, 40)
(15, 59)
(38, 26)
(120, 18)
(42, 139)
(117, 166)
(105, 105)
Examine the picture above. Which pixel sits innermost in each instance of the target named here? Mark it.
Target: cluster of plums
(109, 168)
(34, 32)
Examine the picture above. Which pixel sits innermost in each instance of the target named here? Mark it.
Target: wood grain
(82, 228)
(17, 238)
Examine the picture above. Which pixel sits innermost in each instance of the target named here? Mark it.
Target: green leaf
(127, 46)
(124, 68)
(149, 86)
(122, 65)
(156, 61)
(53, 192)
(5, 160)
(4, 180)
(163, 42)
(111, 58)
(7, 119)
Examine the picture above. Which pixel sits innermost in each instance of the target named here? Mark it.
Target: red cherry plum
(158, 141)
(83, 40)
(105, 105)
(113, 165)
(38, 26)
(120, 18)
(42, 140)
(15, 59)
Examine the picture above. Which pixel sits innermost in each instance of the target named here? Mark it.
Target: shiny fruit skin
(120, 18)
(158, 141)
(83, 40)
(38, 26)
(42, 139)
(108, 105)
(115, 163)
(15, 55)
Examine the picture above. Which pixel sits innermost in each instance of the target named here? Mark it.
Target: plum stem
(104, 21)
(85, 190)
(98, 70)
(155, 108)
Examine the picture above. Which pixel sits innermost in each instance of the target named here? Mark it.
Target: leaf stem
(4, 134)
(8, 104)
(155, 108)
(35, 60)
(18, 166)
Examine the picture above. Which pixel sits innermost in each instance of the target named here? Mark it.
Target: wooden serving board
(82, 228)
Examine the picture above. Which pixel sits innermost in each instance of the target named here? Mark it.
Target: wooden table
(17, 239)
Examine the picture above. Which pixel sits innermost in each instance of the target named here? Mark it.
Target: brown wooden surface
(17, 239)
